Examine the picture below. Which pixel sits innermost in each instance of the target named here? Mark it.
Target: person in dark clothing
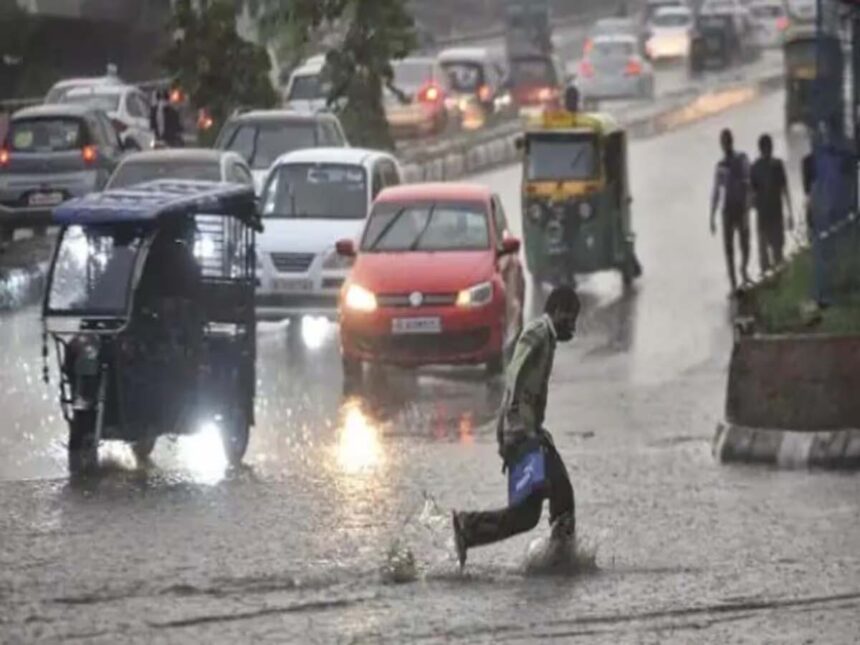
(521, 435)
(164, 121)
(732, 185)
(807, 175)
(770, 186)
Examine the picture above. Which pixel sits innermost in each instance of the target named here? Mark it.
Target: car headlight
(535, 212)
(359, 299)
(334, 261)
(585, 210)
(477, 296)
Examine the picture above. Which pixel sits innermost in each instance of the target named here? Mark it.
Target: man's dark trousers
(486, 527)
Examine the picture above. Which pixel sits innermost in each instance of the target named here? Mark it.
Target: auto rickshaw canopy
(161, 199)
(563, 120)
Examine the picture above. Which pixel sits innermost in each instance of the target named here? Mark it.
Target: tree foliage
(219, 70)
(23, 68)
(369, 34)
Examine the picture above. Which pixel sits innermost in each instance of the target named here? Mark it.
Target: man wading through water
(732, 181)
(535, 469)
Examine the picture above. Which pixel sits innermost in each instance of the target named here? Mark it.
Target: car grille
(292, 262)
(424, 346)
(401, 300)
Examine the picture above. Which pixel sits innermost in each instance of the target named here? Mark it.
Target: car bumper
(465, 337)
(663, 48)
(613, 88)
(16, 188)
(276, 306)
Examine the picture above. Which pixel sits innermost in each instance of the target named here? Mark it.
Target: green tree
(24, 71)
(219, 70)
(369, 35)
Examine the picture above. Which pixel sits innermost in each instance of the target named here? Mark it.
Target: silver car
(613, 69)
(203, 164)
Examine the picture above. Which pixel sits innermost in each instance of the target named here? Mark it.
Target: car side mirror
(345, 248)
(510, 246)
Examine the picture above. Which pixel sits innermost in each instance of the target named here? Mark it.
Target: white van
(311, 199)
(307, 91)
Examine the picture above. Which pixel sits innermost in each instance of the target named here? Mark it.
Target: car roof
(101, 90)
(180, 154)
(436, 191)
(351, 156)
(281, 115)
(53, 110)
(615, 38)
(411, 60)
(312, 65)
(674, 10)
(90, 80)
(476, 54)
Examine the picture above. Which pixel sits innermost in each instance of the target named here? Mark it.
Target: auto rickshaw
(150, 303)
(576, 197)
(813, 77)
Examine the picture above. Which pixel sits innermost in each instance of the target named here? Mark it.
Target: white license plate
(287, 285)
(416, 326)
(45, 199)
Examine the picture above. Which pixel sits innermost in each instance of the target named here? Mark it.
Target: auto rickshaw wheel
(353, 373)
(82, 450)
(235, 433)
(631, 269)
(142, 448)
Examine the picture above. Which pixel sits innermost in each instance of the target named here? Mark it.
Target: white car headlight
(334, 261)
(585, 210)
(358, 298)
(477, 296)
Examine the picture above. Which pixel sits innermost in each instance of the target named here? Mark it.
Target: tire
(631, 269)
(235, 434)
(82, 449)
(142, 449)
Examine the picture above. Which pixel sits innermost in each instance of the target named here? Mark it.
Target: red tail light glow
(633, 68)
(204, 120)
(485, 93)
(176, 96)
(546, 94)
(586, 69)
(782, 23)
(4, 157)
(430, 94)
(588, 46)
(89, 154)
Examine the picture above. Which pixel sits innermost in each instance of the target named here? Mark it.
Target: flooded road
(289, 548)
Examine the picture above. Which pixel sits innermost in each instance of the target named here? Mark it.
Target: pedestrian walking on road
(770, 186)
(535, 469)
(164, 121)
(732, 187)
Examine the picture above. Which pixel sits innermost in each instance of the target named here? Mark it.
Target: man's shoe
(564, 527)
(459, 538)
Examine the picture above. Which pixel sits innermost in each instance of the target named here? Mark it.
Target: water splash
(548, 556)
(426, 531)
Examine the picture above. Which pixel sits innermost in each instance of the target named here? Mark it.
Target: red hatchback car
(437, 280)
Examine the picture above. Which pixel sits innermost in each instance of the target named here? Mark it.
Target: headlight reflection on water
(203, 454)
(359, 448)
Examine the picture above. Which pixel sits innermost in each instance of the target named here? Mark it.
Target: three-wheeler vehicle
(813, 77)
(150, 302)
(576, 197)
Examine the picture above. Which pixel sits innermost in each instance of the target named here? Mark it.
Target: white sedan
(669, 33)
(126, 106)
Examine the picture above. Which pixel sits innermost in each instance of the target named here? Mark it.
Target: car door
(137, 113)
(511, 273)
(104, 137)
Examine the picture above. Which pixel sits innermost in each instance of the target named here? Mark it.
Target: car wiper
(386, 229)
(577, 158)
(418, 239)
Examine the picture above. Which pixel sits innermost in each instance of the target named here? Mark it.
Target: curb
(497, 147)
(788, 449)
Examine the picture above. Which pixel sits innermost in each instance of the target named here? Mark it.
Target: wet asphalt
(292, 546)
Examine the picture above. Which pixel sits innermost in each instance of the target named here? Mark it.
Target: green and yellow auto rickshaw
(813, 77)
(576, 197)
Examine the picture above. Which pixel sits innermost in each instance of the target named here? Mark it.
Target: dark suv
(261, 136)
(51, 153)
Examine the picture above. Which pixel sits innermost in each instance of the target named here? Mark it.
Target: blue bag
(527, 476)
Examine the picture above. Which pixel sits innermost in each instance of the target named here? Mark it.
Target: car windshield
(93, 270)
(262, 143)
(671, 20)
(409, 75)
(106, 102)
(137, 172)
(652, 9)
(426, 226)
(562, 157)
(316, 191)
(767, 11)
(465, 77)
(309, 87)
(45, 135)
(532, 71)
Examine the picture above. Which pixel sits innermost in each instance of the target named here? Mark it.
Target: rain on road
(289, 548)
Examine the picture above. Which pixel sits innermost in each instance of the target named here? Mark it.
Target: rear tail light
(546, 94)
(89, 154)
(485, 93)
(588, 46)
(430, 94)
(633, 68)
(204, 120)
(119, 126)
(176, 96)
(586, 69)
(782, 23)
(4, 157)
